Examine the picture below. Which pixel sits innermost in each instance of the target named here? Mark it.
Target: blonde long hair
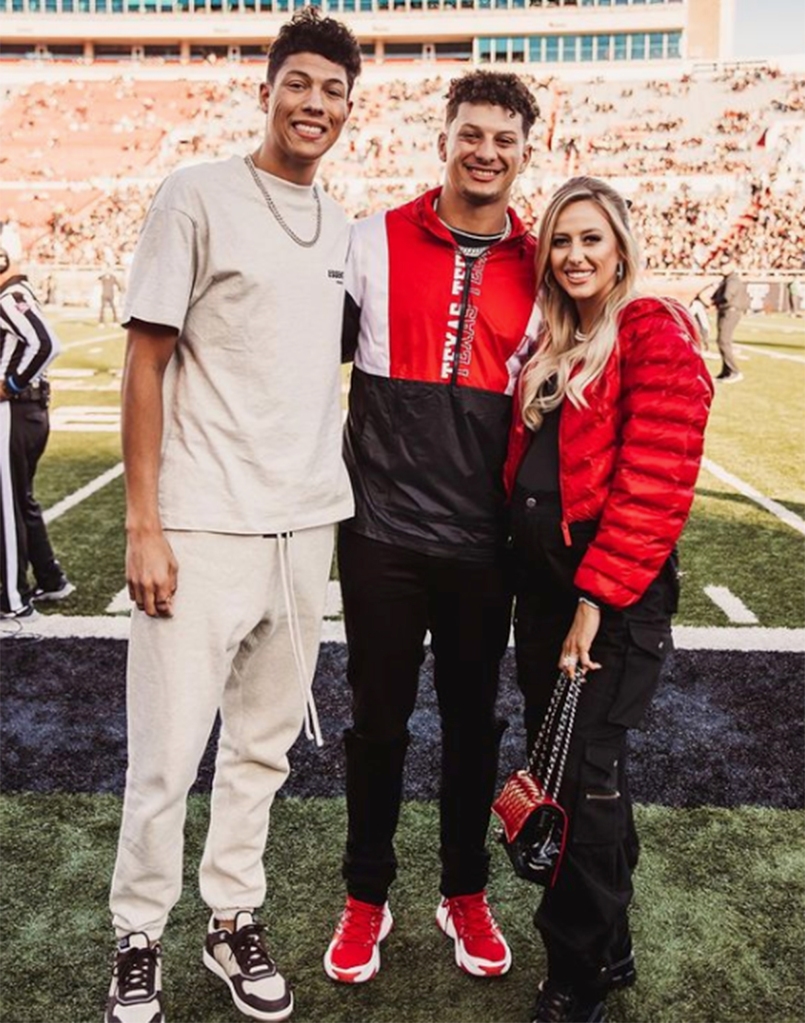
(573, 365)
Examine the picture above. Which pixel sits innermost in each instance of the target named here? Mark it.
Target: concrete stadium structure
(597, 33)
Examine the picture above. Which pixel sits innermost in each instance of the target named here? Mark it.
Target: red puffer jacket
(630, 460)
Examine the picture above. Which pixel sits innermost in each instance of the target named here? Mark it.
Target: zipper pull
(566, 533)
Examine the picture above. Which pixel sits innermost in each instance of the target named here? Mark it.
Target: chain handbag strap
(538, 761)
(566, 723)
(549, 755)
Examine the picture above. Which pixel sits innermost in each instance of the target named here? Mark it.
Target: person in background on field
(28, 345)
(793, 292)
(731, 299)
(698, 311)
(235, 302)
(440, 304)
(110, 286)
(604, 453)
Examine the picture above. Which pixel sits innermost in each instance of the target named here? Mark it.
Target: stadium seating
(712, 161)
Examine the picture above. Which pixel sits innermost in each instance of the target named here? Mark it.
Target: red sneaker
(480, 947)
(354, 953)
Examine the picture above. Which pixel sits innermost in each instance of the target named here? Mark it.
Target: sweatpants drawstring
(312, 728)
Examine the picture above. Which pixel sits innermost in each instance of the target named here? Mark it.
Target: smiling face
(306, 108)
(584, 257)
(484, 148)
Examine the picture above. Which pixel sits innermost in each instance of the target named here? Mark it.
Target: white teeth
(311, 130)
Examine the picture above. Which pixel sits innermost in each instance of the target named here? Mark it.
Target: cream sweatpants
(228, 647)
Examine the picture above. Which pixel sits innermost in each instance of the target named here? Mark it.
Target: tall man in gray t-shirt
(234, 481)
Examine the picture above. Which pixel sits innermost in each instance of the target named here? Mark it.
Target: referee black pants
(23, 535)
(583, 919)
(391, 597)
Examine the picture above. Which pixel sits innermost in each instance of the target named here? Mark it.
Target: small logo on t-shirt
(336, 275)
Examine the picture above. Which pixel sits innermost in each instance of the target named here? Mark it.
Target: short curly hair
(500, 88)
(308, 32)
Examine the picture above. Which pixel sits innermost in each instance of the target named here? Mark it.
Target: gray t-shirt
(252, 438)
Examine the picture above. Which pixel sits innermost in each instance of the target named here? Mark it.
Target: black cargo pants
(583, 919)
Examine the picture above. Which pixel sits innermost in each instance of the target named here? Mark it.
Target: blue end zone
(726, 728)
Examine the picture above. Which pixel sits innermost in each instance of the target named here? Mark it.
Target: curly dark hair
(500, 88)
(308, 32)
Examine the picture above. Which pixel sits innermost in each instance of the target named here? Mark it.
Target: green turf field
(756, 433)
(718, 920)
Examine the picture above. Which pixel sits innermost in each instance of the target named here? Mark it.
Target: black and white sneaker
(61, 591)
(136, 992)
(240, 959)
(26, 613)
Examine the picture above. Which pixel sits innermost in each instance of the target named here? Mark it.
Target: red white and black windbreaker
(438, 343)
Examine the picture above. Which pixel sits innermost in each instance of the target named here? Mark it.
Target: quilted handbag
(534, 825)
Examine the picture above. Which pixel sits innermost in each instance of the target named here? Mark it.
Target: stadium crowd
(710, 162)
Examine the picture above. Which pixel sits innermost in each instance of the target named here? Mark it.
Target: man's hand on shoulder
(151, 572)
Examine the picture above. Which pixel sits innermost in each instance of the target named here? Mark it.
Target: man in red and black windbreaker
(439, 318)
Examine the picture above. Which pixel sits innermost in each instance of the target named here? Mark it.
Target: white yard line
(333, 607)
(86, 418)
(685, 637)
(747, 638)
(778, 510)
(99, 338)
(732, 606)
(87, 491)
(749, 350)
(121, 603)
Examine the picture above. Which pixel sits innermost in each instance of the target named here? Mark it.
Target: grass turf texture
(757, 428)
(717, 919)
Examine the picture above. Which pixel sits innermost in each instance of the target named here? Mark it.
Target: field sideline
(717, 774)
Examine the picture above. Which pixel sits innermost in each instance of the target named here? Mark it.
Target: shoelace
(553, 1004)
(250, 953)
(360, 924)
(474, 916)
(136, 973)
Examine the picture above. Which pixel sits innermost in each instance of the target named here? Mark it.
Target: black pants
(391, 597)
(23, 534)
(583, 918)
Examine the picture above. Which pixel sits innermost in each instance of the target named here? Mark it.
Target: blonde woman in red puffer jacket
(604, 452)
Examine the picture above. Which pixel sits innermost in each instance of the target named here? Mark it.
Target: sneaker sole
(56, 596)
(107, 1018)
(469, 964)
(215, 967)
(358, 974)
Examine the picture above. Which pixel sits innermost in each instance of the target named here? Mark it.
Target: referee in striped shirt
(27, 345)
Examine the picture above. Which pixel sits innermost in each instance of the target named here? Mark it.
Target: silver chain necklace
(278, 216)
